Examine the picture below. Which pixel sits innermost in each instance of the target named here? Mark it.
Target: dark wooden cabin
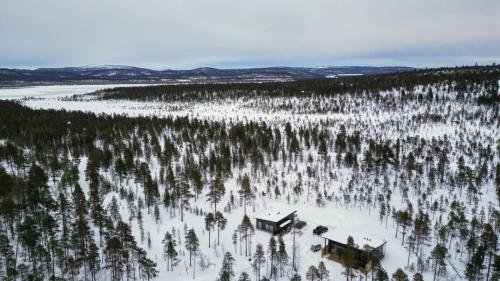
(365, 249)
(275, 222)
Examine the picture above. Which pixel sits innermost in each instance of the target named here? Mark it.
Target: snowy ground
(370, 120)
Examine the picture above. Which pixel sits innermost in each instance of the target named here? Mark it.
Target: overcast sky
(245, 33)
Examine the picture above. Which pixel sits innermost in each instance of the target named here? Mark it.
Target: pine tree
(114, 209)
(349, 258)
(404, 220)
(421, 228)
(296, 277)
(312, 273)
(246, 192)
(197, 180)
(438, 254)
(209, 225)
(282, 255)
(217, 190)
(418, 277)
(234, 238)
(259, 259)
(381, 275)
(273, 254)
(221, 222)
(192, 244)
(496, 268)
(184, 195)
(244, 277)
(245, 228)
(400, 275)
(226, 272)
(120, 169)
(489, 239)
(114, 258)
(497, 180)
(93, 260)
(7, 258)
(411, 244)
(323, 272)
(169, 251)
(473, 269)
(147, 267)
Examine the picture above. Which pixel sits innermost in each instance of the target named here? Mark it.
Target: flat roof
(360, 240)
(273, 215)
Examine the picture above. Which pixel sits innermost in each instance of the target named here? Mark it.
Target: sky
(183, 34)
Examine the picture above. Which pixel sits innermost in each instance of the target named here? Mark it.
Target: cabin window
(269, 227)
(259, 224)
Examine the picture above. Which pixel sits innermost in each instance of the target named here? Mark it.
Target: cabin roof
(274, 215)
(361, 241)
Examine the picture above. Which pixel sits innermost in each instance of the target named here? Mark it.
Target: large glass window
(269, 227)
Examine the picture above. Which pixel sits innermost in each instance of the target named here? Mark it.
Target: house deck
(325, 253)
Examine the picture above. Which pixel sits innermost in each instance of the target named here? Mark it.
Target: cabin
(275, 221)
(365, 249)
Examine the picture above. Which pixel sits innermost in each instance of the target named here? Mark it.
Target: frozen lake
(56, 91)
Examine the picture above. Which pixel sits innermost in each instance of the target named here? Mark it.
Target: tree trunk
(218, 236)
(194, 267)
(435, 270)
(489, 266)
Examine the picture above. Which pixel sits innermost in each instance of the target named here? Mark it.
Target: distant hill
(130, 74)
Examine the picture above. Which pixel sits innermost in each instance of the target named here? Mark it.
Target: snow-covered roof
(285, 223)
(360, 240)
(273, 215)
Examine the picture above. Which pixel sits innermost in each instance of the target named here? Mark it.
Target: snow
(285, 223)
(341, 234)
(274, 215)
(56, 91)
(358, 113)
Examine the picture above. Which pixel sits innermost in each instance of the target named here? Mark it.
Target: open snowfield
(55, 91)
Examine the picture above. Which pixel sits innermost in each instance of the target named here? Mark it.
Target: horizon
(116, 66)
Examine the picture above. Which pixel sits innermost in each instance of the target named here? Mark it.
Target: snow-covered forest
(164, 182)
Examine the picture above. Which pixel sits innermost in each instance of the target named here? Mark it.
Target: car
(316, 247)
(300, 224)
(320, 230)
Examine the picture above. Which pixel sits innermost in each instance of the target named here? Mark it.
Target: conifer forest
(165, 181)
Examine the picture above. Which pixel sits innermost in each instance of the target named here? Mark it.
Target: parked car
(316, 247)
(300, 224)
(320, 230)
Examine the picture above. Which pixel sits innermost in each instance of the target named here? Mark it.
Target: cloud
(190, 33)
